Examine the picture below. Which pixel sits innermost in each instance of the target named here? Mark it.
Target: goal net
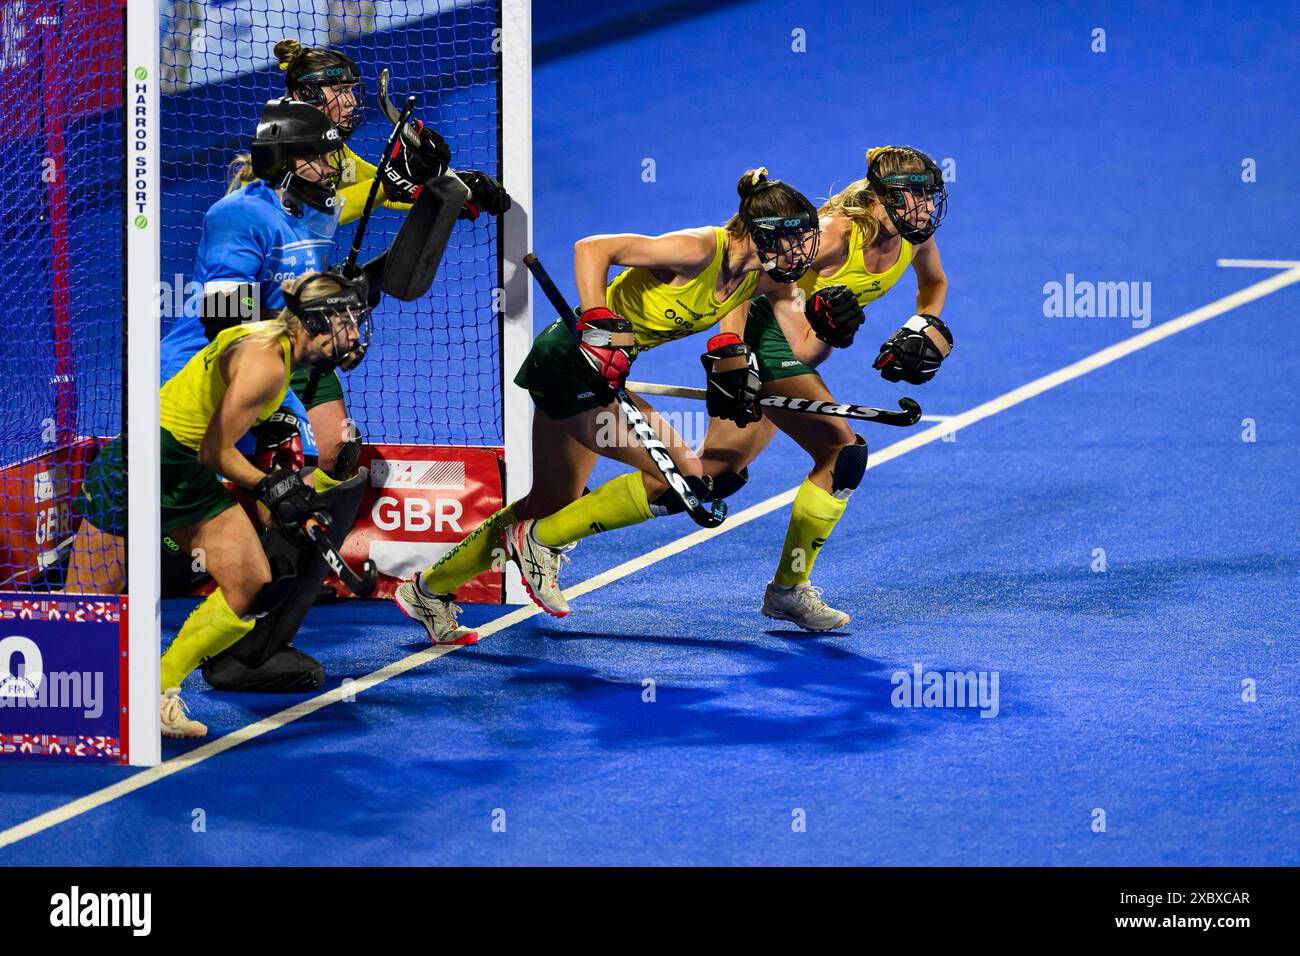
(120, 123)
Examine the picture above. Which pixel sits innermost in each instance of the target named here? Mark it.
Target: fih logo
(11, 683)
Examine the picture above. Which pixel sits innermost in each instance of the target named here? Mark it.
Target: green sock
(618, 503)
(812, 517)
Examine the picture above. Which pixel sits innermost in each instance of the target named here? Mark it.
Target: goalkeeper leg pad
(850, 466)
(264, 662)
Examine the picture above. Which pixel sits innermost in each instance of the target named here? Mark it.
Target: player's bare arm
(679, 256)
(255, 372)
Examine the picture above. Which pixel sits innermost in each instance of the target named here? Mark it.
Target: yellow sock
(811, 519)
(617, 503)
(470, 558)
(323, 481)
(209, 630)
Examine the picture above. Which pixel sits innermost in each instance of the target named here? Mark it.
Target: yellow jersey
(867, 286)
(660, 313)
(190, 397)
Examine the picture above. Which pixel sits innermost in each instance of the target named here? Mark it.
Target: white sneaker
(435, 611)
(803, 605)
(539, 565)
(175, 722)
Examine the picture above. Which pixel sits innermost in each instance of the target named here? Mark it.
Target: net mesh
(61, 254)
(432, 374)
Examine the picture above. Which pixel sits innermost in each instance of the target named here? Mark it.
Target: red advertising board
(422, 500)
(38, 514)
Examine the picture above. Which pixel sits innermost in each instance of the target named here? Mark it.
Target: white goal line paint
(144, 778)
(1257, 264)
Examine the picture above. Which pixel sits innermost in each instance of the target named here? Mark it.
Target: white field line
(1256, 264)
(144, 778)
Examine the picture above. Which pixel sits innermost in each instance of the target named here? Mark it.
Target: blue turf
(1119, 690)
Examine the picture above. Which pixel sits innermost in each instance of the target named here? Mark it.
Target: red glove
(606, 342)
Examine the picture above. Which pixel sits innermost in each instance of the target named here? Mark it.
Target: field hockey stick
(705, 517)
(910, 414)
(362, 584)
(399, 124)
(351, 261)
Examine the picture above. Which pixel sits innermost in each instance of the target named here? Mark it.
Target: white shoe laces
(174, 708)
(810, 597)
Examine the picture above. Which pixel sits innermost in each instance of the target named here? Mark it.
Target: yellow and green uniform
(763, 332)
(815, 511)
(558, 377)
(188, 401)
(563, 384)
(192, 493)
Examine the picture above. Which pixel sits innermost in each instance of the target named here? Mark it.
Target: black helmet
(353, 301)
(923, 185)
(310, 87)
(795, 235)
(289, 130)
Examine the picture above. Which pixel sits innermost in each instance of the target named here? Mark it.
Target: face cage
(907, 229)
(316, 195)
(773, 245)
(345, 359)
(313, 92)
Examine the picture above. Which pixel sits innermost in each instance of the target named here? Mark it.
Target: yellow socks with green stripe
(812, 517)
(470, 558)
(618, 503)
(209, 630)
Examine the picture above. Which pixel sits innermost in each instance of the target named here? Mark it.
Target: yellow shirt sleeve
(354, 187)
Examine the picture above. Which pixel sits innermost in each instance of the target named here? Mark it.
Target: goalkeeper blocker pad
(412, 260)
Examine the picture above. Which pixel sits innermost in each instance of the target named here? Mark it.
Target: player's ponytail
(240, 172)
(289, 52)
(857, 201)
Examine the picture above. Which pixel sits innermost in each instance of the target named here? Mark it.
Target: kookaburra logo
(11, 685)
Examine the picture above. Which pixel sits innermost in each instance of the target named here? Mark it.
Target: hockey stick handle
(644, 431)
(374, 183)
(551, 290)
(910, 414)
(359, 584)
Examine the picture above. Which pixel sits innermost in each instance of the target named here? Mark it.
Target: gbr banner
(421, 501)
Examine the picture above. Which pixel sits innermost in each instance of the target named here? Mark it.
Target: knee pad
(668, 502)
(729, 482)
(850, 466)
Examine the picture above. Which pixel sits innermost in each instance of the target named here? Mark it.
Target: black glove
(914, 352)
(278, 441)
(731, 369)
(485, 194)
(288, 499)
(410, 168)
(834, 314)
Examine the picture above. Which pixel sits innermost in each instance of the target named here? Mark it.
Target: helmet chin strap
(298, 190)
